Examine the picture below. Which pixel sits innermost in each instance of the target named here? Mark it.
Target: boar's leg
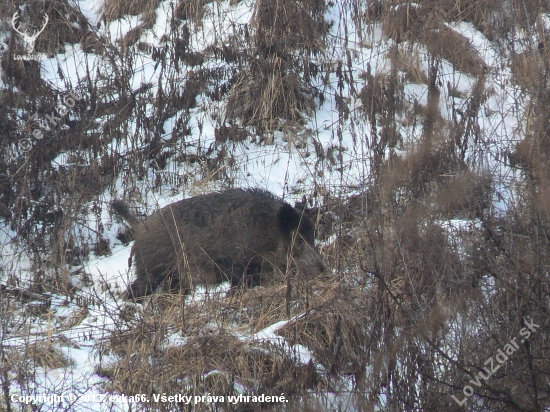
(138, 290)
(238, 274)
(228, 270)
(147, 282)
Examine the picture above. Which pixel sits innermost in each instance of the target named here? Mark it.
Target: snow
(278, 167)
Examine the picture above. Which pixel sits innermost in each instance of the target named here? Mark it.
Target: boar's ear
(288, 219)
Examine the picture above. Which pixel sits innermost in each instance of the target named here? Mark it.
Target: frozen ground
(279, 167)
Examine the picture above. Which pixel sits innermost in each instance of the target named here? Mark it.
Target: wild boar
(236, 235)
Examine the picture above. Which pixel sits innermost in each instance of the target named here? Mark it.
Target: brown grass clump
(214, 364)
(261, 365)
(284, 27)
(447, 44)
(192, 10)
(466, 195)
(428, 167)
(39, 354)
(271, 92)
(266, 95)
(65, 24)
(525, 67)
(334, 328)
(413, 24)
(404, 20)
(478, 12)
(114, 9)
(381, 101)
(409, 63)
(131, 38)
(220, 350)
(61, 27)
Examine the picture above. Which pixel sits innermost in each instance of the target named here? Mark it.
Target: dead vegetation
(214, 356)
(411, 22)
(436, 261)
(114, 10)
(39, 354)
(404, 20)
(268, 96)
(271, 92)
(192, 10)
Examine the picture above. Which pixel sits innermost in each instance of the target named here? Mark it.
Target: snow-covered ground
(280, 167)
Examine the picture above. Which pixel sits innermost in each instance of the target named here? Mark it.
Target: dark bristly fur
(236, 235)
(121, 209)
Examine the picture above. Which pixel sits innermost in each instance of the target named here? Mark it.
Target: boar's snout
(308, 260)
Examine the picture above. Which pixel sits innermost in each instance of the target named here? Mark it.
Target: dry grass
(445, 43)
(334, 328)
(220, 346)
(409, 63)
(267, 96)
(66, 24)
(192, 10)
(114, 10)
(410, 309)
(405, 20)
(39, 354)
(269, 92)
(525, 67)
(465, 196)
(131, 38)
(282, 28)
(414, 23)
